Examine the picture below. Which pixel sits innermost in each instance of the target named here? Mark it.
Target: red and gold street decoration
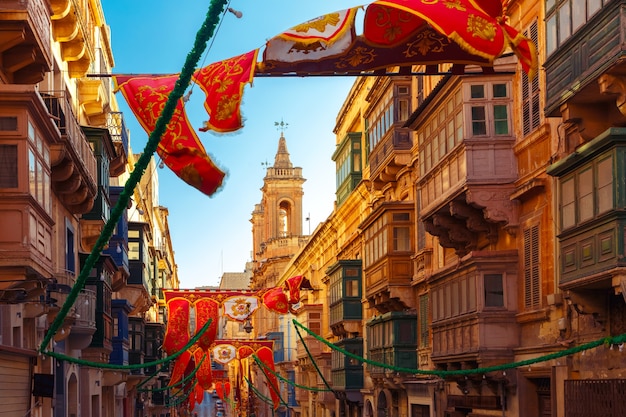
(179, 148)
(241, 350)
(223, 83)
(321, 38)
(396, 33)
(208, 305)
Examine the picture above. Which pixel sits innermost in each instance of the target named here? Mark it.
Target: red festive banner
(179, 147)
(177, 331)
(294, 285)
(477, 26)
(223, 82)
(206, 309)
(203, 374)
(266, 356)
(275, 300)
(326, 36)
(180, 367)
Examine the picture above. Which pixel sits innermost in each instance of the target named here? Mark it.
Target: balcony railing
(60, 109)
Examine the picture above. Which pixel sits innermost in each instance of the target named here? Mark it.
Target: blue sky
(214, 235)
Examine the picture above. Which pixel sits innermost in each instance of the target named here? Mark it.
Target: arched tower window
(284, 219)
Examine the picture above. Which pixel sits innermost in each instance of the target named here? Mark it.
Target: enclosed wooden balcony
(388, 268)
(466, 197)
(473, 311)
(72, 161)
(592, 220)
(25, 52)
(392, 341)
(585, 73)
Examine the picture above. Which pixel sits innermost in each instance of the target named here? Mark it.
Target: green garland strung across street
(101, 365)
(184, 397)
(145, 381)
(606, 341)
(314, 363)
(202, 37)
(181, 382)
(288, 381)
(270, 385)
(261, 397)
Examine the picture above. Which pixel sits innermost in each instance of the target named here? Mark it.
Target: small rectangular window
(8, 124)
(479, 124)
(477, 91)
(568, 207)
(8, 166)
(494, 290)
(500, 120)
(499, 91)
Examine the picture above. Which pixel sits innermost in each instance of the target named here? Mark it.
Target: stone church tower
(277, 220)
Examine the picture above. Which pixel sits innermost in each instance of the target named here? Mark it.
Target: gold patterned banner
(223, 82)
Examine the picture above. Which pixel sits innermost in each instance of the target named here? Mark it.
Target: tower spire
(282, 159)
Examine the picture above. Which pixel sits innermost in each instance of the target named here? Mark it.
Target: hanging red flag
(223, 84)
(477, 26)
(219, 390)
(179, 147)
(266, 356)
(276, 300)
(203, 374)
(177, 332)
(180, 367)
(206, 309)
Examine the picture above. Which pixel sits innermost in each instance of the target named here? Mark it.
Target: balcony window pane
(565, 25)
(494, 290)
(401, 239)
(479, 124)
(500, 120)
(133, 251)
(568, 207)
(352, 288)
(499, 91)
(578, 17)
(593, 6)
(605, 185)
(551, 34)
(585, 195)
(477, 91)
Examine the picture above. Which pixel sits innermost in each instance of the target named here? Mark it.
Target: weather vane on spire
(281, 126)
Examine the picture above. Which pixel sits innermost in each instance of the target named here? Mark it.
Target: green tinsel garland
(101, 365)
(606, 341)
(261, 397)
(182, 382)
(202, 37)
(288, 381)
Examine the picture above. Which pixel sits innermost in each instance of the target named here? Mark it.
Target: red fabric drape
(177, 332)
(266, 355)
(223, 82)
(180, 367)
(179, 148)
(276, 300)
(206, 309)
(203, 375)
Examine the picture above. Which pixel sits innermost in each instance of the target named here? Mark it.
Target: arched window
(284, 219)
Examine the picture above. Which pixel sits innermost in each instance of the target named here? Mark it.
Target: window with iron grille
(532, 282)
